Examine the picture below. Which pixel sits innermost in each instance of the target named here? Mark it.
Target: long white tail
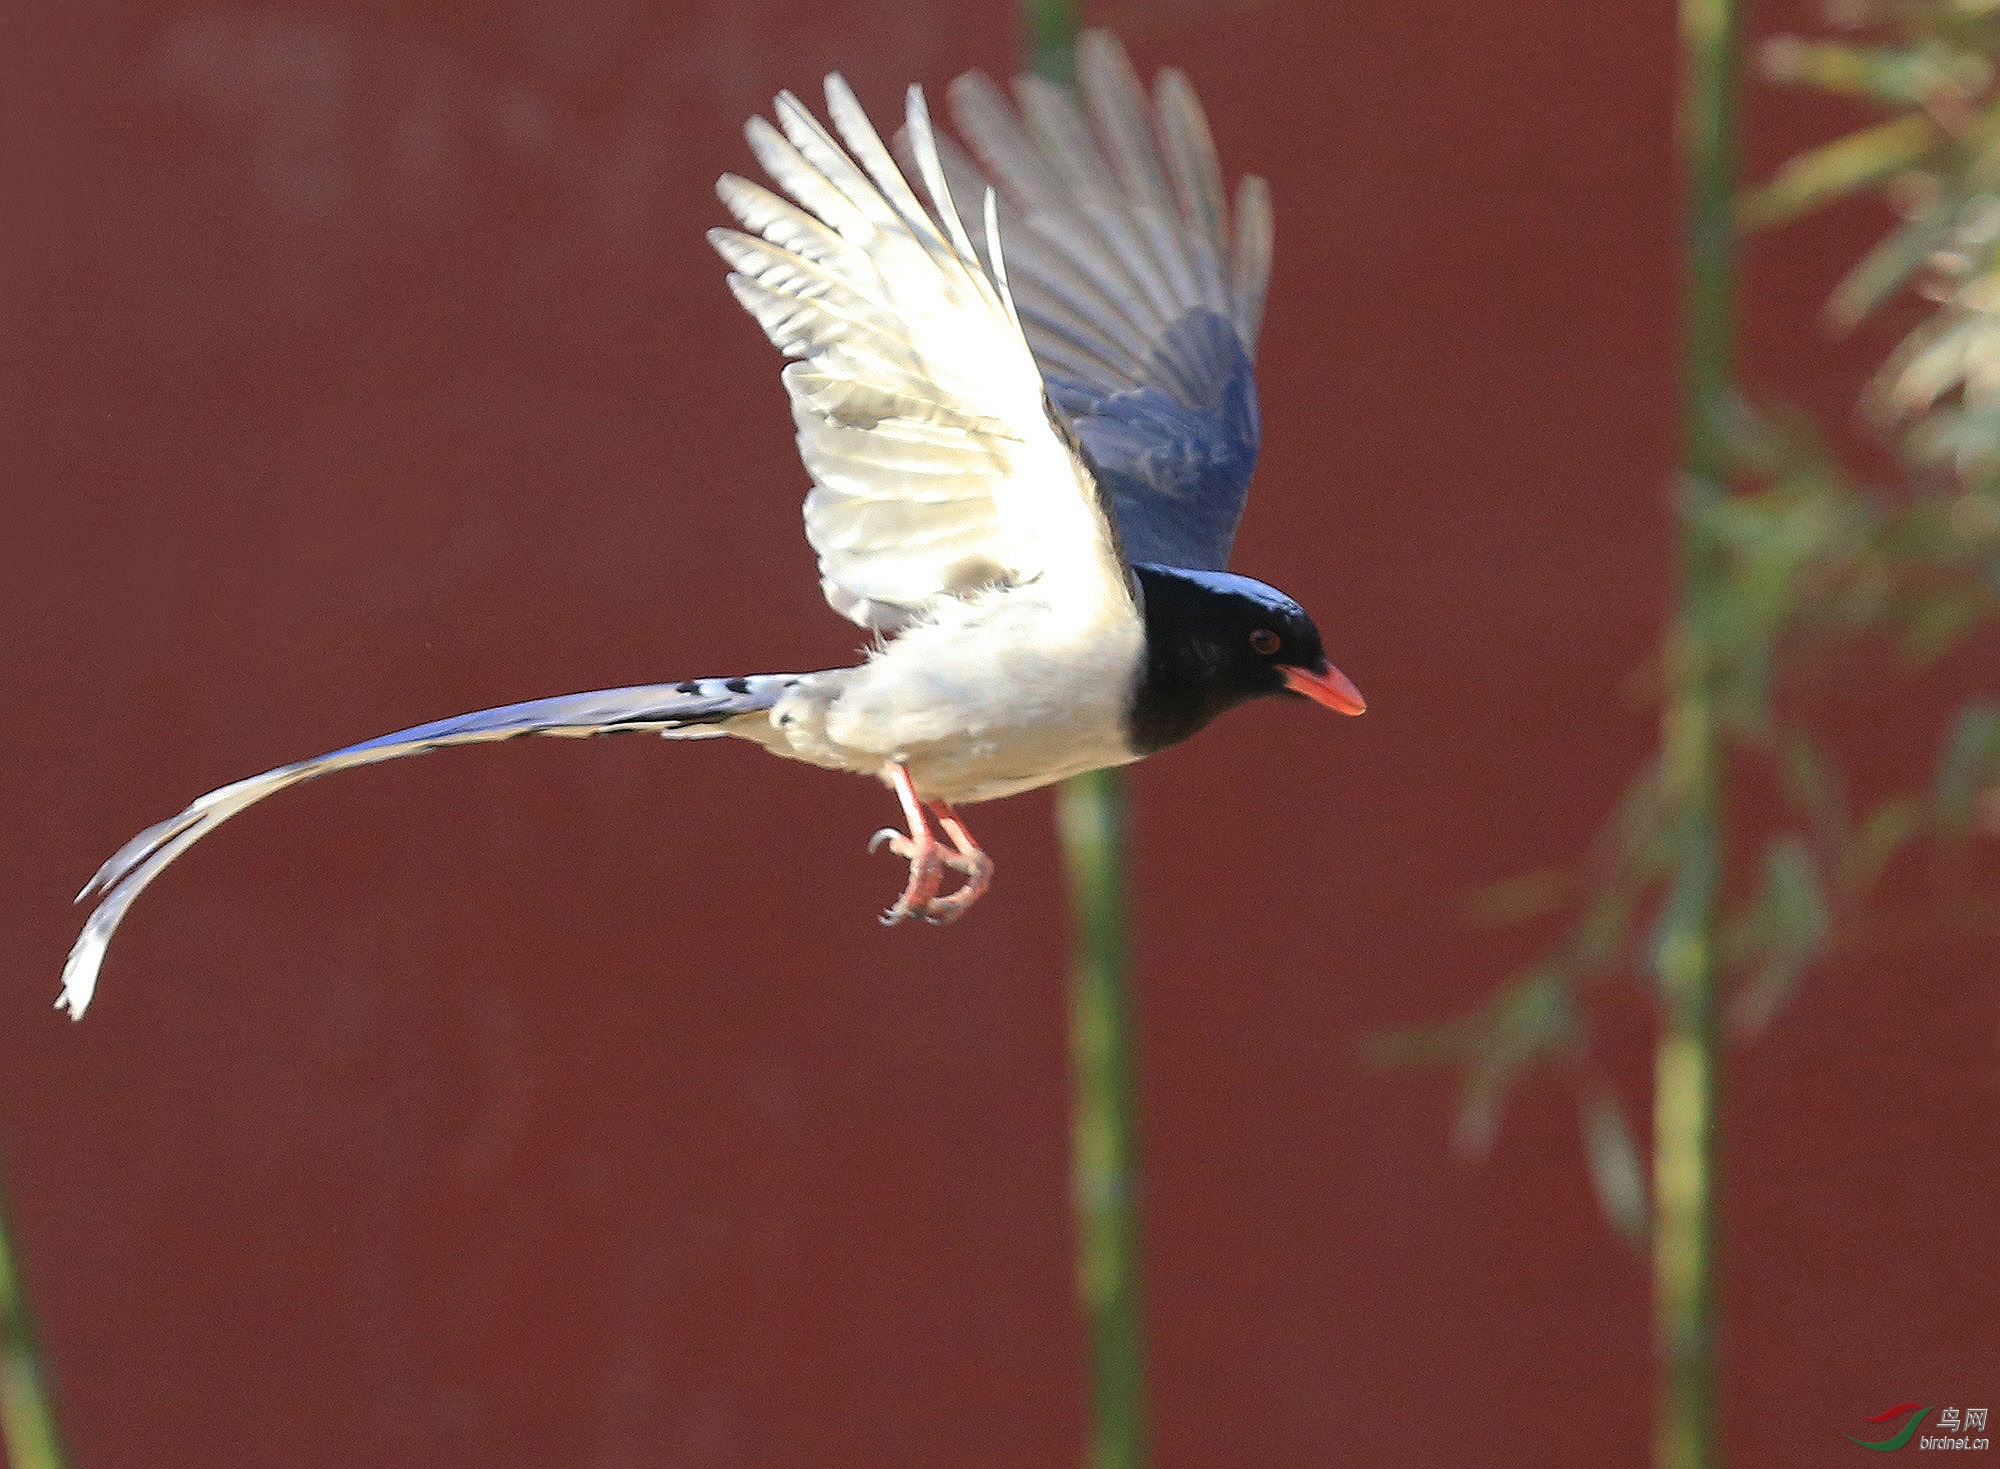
(695, 709)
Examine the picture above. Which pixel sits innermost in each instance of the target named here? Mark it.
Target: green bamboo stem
(1687, 1063)
(1051, 27)
(1103, 1049)
(1105, 1129)
(27, 1422)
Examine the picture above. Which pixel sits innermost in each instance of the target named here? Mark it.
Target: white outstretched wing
(937, 466)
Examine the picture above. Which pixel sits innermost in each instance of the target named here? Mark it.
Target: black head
(1215, 640)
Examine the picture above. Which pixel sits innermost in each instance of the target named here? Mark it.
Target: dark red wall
(563, 1104)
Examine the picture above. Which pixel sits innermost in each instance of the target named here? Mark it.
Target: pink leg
(928, 859)
(977, 867)
(920, 849)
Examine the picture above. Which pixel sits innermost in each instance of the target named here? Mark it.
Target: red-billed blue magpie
(1030, 435)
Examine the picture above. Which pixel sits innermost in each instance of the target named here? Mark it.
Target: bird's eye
(1265, 641)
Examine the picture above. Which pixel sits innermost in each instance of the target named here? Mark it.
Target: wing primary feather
(1141, 290)
(818, 151)
(780, 271)
(923, 145)
(874, 185)
(790, 170)
(1122, 114)
(799, 326)
(866, 146)
(1250, 268)
(999, 260)
(1060, 130)
(1128, 246)
(988, 122)
(1119, 109)
(1111, 91)
(1197, 172)
(1062, 328)
(1095, 289)
(1059, 356)
(962, 179)
(1083, 265)
(1067, 299)
(1063, 137)
(1191, 156)
(784, 224)
(1157, 229)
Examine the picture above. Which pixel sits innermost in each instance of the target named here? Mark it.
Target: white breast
(990, 695)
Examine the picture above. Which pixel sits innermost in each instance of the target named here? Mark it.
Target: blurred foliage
(1935, 68)
(27, 1421)
(1817, 568)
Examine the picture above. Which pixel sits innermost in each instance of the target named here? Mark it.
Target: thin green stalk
(1106, 1158)
(1051, 28)
(1103, 1049)
(27, 1423)
(1687, 1064)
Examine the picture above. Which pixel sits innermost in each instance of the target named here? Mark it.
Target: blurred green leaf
(1481, 1102)
(1966, 439)
(1752, 1007)
(1616, 1174)
(1882, 834)
(1637, 828)
(27, 1420)
(1970, 762)
(1744, 697)
(1814, 787)
(1522, 1023)
(1937, 621)
(1888, 266)
(1535, 1015)
(1527, 1022)
(1896, 76)
(1853, 164)
(1741, 521)
(1422, 1045)
(1603, 933)
(1786, 928)
(1921, 530)
(1800, 915)
(1956, 348)
(1517, 899)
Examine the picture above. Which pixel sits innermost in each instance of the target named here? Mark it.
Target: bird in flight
(1026, 402)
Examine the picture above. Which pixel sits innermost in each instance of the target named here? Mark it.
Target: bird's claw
(900, 844)
(978, 870)
(928, 864)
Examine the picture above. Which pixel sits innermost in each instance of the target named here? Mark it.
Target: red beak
(1329, 686)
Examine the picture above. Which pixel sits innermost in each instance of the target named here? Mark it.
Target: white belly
(995, 695)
